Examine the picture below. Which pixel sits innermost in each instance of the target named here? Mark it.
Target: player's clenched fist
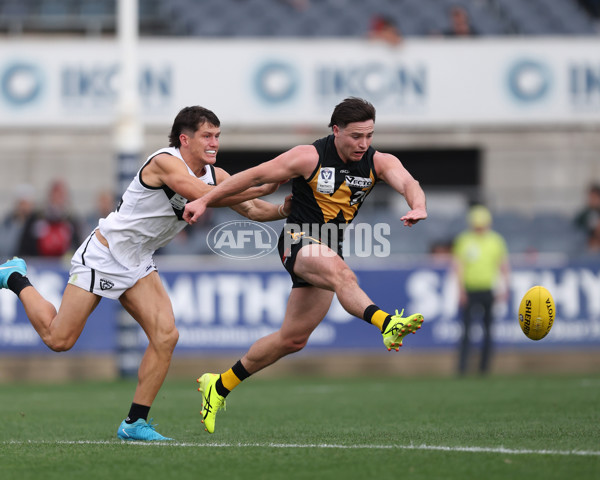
(193, 210)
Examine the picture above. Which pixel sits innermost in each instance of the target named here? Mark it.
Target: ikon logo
(242, 239)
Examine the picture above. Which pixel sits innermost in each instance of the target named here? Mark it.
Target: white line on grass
(503, 450)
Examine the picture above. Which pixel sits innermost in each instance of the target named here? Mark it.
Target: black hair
(188, 120)
(352, 109)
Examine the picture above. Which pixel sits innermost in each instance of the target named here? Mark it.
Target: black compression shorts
(289, 245)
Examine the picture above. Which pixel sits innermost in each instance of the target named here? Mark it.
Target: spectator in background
(53, 230)
(440, 251)
(588, 218)
(385, 29)
(460, 24)
(593, 243)
(480, 259)
(14, 222)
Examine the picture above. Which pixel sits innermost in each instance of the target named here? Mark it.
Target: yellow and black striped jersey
(335, 190)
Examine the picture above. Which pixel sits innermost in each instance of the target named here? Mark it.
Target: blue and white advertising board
(65, 82)
(228, 309)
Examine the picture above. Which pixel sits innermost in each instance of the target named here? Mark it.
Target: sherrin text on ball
(536, 312)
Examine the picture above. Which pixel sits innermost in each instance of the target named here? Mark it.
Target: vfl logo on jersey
(358, 182)
(326, 180)
(106, 284)
(178, 202)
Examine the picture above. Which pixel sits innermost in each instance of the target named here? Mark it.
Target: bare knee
(166, 339)
(173, 338)
(344, 277)
(59, 344)
(293, 345)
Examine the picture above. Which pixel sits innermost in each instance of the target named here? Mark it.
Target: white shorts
(94, 269)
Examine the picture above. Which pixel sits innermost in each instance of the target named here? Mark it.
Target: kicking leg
(321, 267)
(318, 265)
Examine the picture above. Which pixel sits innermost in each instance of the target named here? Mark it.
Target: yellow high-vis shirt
(481, 256)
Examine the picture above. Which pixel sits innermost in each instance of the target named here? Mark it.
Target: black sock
(17, 282)
(136, 412)
(239, 371)
(368, 316)
(369, 311)
(220, 388)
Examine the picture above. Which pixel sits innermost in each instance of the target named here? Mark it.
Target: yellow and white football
(536, 312)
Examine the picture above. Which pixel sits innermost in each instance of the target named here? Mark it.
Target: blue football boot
(140, 430)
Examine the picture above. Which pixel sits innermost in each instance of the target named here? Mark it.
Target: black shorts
(289, 245)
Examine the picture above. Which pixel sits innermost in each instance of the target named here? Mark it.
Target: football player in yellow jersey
(330, 180)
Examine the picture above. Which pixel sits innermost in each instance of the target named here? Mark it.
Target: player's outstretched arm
(164, 169)
(252, 207)
(262, 211)
(300, 160)
(392, 172)
(247, 195)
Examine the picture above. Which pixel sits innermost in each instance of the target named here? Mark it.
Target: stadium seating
(90, 17)
(350, 18)
(282, 18)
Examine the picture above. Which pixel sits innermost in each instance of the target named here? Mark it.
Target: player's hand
(287, 205)
(193, 210)
(413, 217)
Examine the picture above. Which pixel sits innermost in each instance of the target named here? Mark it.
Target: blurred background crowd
(44, 218)
(50, 226)
(308, 18)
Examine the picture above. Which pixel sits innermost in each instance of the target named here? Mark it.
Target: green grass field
(313, 428)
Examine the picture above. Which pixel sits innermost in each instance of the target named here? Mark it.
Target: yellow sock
(230, 380)
(378, 318)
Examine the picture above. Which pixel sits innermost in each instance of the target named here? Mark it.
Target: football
(536, 312)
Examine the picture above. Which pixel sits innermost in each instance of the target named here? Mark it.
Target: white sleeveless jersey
(147, 218)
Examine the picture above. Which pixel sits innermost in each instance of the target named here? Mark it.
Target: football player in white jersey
(115, 261)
